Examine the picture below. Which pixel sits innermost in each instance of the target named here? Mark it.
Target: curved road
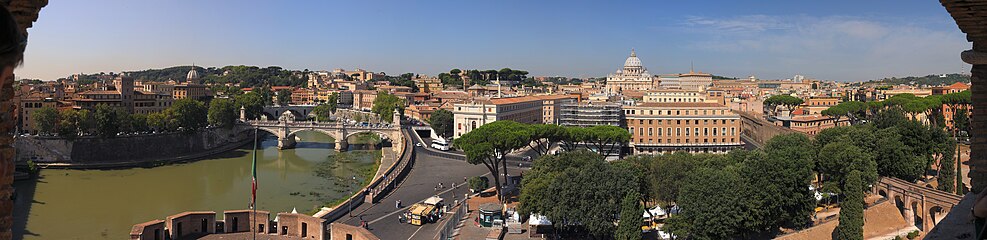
(430, 169)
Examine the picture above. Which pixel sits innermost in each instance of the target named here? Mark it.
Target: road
(429, 170)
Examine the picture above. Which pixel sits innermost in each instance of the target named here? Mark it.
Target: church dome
(632, 61)
(192, 75)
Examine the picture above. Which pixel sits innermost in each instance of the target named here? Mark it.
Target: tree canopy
(442, 123)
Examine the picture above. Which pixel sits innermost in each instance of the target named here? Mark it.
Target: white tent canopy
(654, 212)
(534, 219)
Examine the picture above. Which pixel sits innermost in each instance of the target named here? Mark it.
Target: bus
(440, 144)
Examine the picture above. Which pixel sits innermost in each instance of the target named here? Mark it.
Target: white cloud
(833, 47)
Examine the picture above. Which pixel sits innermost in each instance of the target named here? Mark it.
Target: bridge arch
(920, 206)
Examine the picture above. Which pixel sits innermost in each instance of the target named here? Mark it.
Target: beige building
(658, 128)
(27, 108)
(633, 76)
(673, 95)
(692, 81)
(191, 91)
(428, 84)
(527, 109)
(364, 99)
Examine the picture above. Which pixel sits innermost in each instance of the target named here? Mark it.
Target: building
(692, 81)
(634, 76)
(528, 109)
(658, 128)
(27, 108)
(588, 114)
(552, 106)
(815, 105)
(364, 99)
(428, 84)
(948, 111)
(810, 124)
(673, 95)
(191, 91)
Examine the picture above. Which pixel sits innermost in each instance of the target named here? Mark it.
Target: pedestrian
(435, 189)
(440, 186)
(397, 204)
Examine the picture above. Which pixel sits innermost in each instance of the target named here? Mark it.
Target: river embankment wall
(128, 151)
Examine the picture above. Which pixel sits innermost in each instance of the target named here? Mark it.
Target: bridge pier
(341, 145)
(286, 142)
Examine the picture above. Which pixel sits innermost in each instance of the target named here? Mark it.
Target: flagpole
(253, 188)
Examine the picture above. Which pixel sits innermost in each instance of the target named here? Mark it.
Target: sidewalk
(388, 158)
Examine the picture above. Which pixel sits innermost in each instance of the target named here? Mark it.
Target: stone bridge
(921, 206)
(286, 127)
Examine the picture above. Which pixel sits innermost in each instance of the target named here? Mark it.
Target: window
(659, 132)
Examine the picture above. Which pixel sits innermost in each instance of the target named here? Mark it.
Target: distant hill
(245, 76)
(930, 80)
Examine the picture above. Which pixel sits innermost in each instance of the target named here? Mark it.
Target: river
(105, 204)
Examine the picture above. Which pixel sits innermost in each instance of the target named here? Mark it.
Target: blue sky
(833, 40)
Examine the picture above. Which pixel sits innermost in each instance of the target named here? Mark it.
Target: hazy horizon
(840, 40)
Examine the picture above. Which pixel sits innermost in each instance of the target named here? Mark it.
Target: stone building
(428, 84)
(588, 114)
(528, 109)
(658, 128)
(633, 76)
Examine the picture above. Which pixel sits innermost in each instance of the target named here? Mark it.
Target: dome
(632, 61)
(192, 75)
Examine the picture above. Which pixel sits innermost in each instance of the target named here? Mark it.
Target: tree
(543, 135)
(107, 121)
(188, 114)
(894, 158)
(158, 121)
(489, 145)
(222, 113)
(629, 227)
(779, 180)
(783, 100)
(668, 172)
(947, 169)
(45, 120)
(322, 112)
(252, 102)
(478, 184)
(839, 158)
(333, 101)
(851, 225)
(558, 187)
(284, 97)
(265, 94)
(386, 104)
(714, 205)
(442, 123)
(608, 139)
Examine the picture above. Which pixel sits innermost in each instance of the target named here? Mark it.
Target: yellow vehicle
(421, 213)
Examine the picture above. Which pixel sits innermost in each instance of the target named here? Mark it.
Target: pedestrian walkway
(388, 158)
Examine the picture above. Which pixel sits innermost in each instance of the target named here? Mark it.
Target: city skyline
(840, 41)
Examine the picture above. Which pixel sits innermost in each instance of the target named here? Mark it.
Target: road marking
(416, 232)
(402, 209)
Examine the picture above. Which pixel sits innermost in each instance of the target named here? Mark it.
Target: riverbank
(128, 151)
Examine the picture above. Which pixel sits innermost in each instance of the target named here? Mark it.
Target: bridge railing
(312, 124)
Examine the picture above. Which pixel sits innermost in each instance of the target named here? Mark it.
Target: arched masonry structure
(286, 127)
(921, 206)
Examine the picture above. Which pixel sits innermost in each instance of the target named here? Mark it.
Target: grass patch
(331, 170)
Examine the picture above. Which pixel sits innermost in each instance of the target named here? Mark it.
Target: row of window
(679, 121)
(677, 112)
(705, 140)
(679, 132)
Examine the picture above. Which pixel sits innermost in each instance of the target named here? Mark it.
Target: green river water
(105, 204)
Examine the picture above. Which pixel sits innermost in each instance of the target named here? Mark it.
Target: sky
(830, 40)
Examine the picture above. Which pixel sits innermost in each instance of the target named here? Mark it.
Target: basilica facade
(633, 77)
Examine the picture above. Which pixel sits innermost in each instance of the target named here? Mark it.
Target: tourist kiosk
(489, 213)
